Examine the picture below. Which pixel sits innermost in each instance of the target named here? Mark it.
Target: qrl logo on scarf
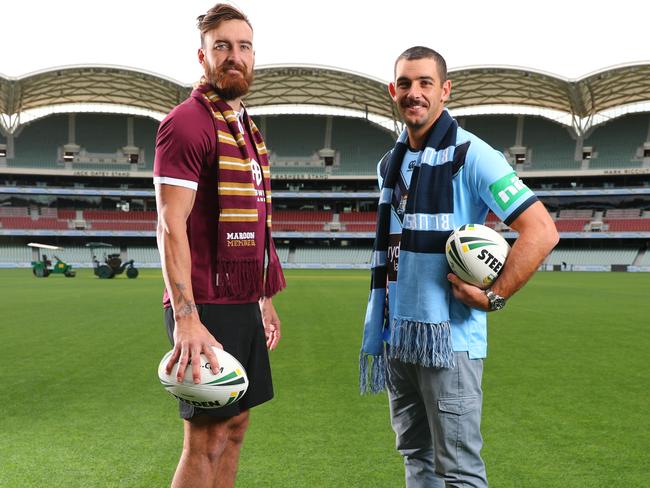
(257, 172)
(508, 190)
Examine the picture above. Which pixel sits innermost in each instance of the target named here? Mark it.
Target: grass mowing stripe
(565, 386)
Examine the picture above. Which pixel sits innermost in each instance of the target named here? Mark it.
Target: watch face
(498, 303)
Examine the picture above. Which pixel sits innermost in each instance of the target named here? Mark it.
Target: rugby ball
(214, 390)
(476, 254)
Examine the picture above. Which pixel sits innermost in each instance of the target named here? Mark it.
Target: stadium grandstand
(77, 148)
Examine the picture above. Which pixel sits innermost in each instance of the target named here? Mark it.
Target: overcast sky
(566, 38)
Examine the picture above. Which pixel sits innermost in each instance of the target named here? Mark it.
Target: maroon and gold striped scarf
(239, 270)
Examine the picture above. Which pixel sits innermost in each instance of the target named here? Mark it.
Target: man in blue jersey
(425, 332)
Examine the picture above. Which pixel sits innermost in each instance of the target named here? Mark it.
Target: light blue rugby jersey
(486, 181)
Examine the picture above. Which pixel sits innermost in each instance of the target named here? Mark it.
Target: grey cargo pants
(436, 416)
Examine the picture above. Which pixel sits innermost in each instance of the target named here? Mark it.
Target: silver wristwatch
(497, 302)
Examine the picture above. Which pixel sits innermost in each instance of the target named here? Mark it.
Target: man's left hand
(271, 323)
(470, 295)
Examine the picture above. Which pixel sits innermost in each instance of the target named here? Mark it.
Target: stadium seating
(100, 133)
(499, 131)
(36, 146)
(137, 220)
(143, 255)
(358, 143)
(333, 255)
(283, 253)
(14, 211)
(77, 255)
(628, 225)
(302, 215)
(626, 220)
(358, 217)
(360, 227)
(66, 213)
(358, 221)
(645, 260)
(277, 170)
(144, 137)
(112, 215)
(118, 225)
(568, 220)
(301, 220)
(29, 223)
(38, 143)
(573, 225)
(575, 214)
(47, 212)
(149, 256)
(49, 218)
(82, 254)
(550, 145)
(361, 144)
(295, 135)
(623, 213)
(573, 220)
(15, 255)
(583, 256)
(615, 143)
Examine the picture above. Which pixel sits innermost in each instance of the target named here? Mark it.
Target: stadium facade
(77, 149)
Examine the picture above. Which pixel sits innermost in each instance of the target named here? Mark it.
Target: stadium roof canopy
(578, 103)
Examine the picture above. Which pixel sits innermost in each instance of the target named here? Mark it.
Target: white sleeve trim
(166, 180)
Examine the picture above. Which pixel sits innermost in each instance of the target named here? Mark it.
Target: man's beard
(227, 85)
(414, 124)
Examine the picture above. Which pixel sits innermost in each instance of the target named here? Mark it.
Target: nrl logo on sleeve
(507, 190)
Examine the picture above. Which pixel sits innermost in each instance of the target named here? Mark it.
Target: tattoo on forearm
(186, 309)
(184, 306)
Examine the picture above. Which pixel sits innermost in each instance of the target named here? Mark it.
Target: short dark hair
(217, 14)
(422, 52)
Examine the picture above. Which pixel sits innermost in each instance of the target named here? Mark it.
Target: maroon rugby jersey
(186, 156)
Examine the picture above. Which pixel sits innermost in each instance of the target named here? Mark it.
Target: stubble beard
(411, 123)
(418, 123)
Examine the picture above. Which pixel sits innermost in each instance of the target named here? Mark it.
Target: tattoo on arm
(185, 307)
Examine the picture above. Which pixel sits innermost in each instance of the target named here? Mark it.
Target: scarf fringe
(372, 377)
(238, 278)
(422, 343)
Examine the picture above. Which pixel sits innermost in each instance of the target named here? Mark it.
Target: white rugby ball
(476, 254)
(214, 390)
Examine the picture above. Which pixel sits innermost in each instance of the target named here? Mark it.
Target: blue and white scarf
(421, 329)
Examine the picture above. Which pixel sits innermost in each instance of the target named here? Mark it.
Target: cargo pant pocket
(459, 405)
(458, 440)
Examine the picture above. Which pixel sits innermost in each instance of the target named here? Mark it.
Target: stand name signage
(110, 174)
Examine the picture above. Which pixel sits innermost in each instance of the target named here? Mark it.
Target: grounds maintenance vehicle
(42, 266)
(112, 264)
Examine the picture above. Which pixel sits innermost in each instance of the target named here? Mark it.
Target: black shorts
(240, 331)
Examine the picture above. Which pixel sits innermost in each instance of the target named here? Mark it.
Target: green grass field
(566, 386)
